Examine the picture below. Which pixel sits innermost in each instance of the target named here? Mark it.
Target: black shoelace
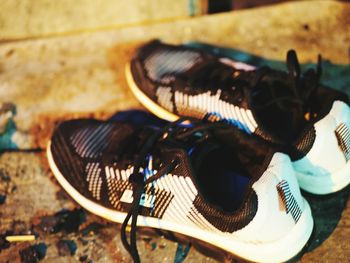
(237, 83)
(289, 95)
(305, 85)
(302, 86)
(138, 180)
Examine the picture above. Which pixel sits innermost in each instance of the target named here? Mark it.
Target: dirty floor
(45, 81)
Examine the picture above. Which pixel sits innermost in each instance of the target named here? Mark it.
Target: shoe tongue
(274, 99)
(187, 144)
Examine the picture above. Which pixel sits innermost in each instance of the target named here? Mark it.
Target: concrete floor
(44, 81)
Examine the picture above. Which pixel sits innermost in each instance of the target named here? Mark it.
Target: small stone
(147, 239)
(63, 221)
(92, 228)
(162, 245)
(69, 221)
(3, 242)
(2, 199)
(66, 247)
(154, 246)
(4, 177)
(83, 241)
(41, 249)
(83, 258)
(29, 255)
(33, 253)
(47, 224)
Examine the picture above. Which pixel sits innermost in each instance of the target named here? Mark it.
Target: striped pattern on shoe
(162, 177)
(343, 136)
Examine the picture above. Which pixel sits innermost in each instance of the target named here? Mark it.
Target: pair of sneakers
(228, 172)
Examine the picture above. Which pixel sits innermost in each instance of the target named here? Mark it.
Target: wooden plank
(20, 19)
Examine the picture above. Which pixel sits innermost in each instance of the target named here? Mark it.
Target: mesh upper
(305, 144)
(86, 163)
(77, 148)
(163, 63)
(168, 67)
(342, 133)
(162, 71)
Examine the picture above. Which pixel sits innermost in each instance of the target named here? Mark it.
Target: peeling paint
(7, 126)
(66, 247)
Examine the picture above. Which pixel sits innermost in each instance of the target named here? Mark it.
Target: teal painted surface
(192, 7)
(333, 75)
(181, 253)
(9, 128)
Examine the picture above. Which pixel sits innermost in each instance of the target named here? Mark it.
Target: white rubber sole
(322, 185)
(278, 251)
(145, 100)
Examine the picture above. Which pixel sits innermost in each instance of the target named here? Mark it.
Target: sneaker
(206, 181)
(284, 108)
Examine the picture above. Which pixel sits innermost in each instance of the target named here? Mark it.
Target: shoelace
(303, 86)
(215, 75)
(139, 182)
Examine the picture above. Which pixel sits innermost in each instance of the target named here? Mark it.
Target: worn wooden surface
(58, 78)
(63, 77)
(38, 18)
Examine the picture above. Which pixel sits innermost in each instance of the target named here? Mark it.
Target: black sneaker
(206, 181)
(284, 108)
